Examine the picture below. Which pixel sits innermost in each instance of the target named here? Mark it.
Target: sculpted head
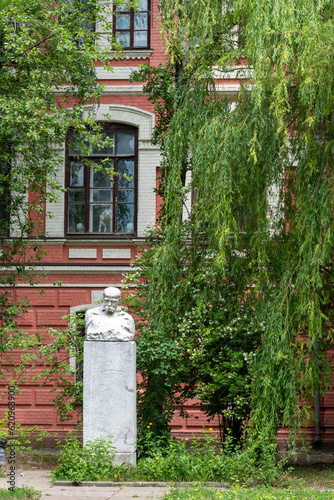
(111, 298)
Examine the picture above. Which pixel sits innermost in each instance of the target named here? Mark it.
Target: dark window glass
(101, 194)
(4, 200)
(132, 28)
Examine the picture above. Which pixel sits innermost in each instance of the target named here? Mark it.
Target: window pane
(141, 21)
(76, 174)
(100, 218)
(76, 218)
(142, 4)
(123, 22)
(124, 38)
(125, 218)
(140, 39)
(100, 179)
(107, 150)
(125, 195)
(78, 145)
(125, 144)
(126, 168)
(101, 195)
(76, 195)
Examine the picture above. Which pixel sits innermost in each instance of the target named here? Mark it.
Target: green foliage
(260, 171)
(23, 493)
(4, 4)
(24, 437)
(92, 462)
(203, 462)
(199, 492)
(67, 383)
(173, 461)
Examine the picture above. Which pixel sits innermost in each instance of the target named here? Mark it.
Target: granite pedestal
(109, 408)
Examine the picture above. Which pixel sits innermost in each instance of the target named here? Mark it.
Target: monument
(109, 406)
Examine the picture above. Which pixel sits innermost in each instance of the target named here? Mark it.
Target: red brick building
(97, 228)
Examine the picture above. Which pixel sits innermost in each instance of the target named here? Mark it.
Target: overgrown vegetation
(238, 289)
(24, 493)
(200, 492)
(171, 462)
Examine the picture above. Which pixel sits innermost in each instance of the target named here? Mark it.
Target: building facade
(97, 227)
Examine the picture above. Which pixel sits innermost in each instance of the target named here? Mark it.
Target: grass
(25, 493)
(203, 493)
(312, 476)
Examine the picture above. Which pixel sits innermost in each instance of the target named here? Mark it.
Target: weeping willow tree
(237, 292)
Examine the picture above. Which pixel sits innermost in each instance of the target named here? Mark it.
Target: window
(102, 200)
(132, 28)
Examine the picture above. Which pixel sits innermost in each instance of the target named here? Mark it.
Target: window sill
(133, 54)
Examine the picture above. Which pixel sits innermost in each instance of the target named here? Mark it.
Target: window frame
(113, 127)
(131, 29)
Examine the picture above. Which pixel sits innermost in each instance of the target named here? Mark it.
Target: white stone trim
(54, 225)
(82, 253)
(16, 220)
(228, 90)
(130, 90)
(116, 253)
(187, 201)
(117, 73)
(131, 115)
(233, 72)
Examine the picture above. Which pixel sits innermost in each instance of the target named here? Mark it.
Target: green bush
(92, 462)
(171, 462)
(202, 462)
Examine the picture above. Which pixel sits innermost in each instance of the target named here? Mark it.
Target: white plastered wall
(148, 160)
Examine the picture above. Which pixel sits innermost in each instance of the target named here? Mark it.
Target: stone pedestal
(109, 405)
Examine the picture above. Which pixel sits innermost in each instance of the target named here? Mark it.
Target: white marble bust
(109, 322)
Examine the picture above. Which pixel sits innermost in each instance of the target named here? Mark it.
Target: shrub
(92, 462)
(175, 462)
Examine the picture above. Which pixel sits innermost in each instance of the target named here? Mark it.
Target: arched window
(102, 201)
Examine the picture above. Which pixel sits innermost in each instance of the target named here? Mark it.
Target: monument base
(128, 458)
(109, 403)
